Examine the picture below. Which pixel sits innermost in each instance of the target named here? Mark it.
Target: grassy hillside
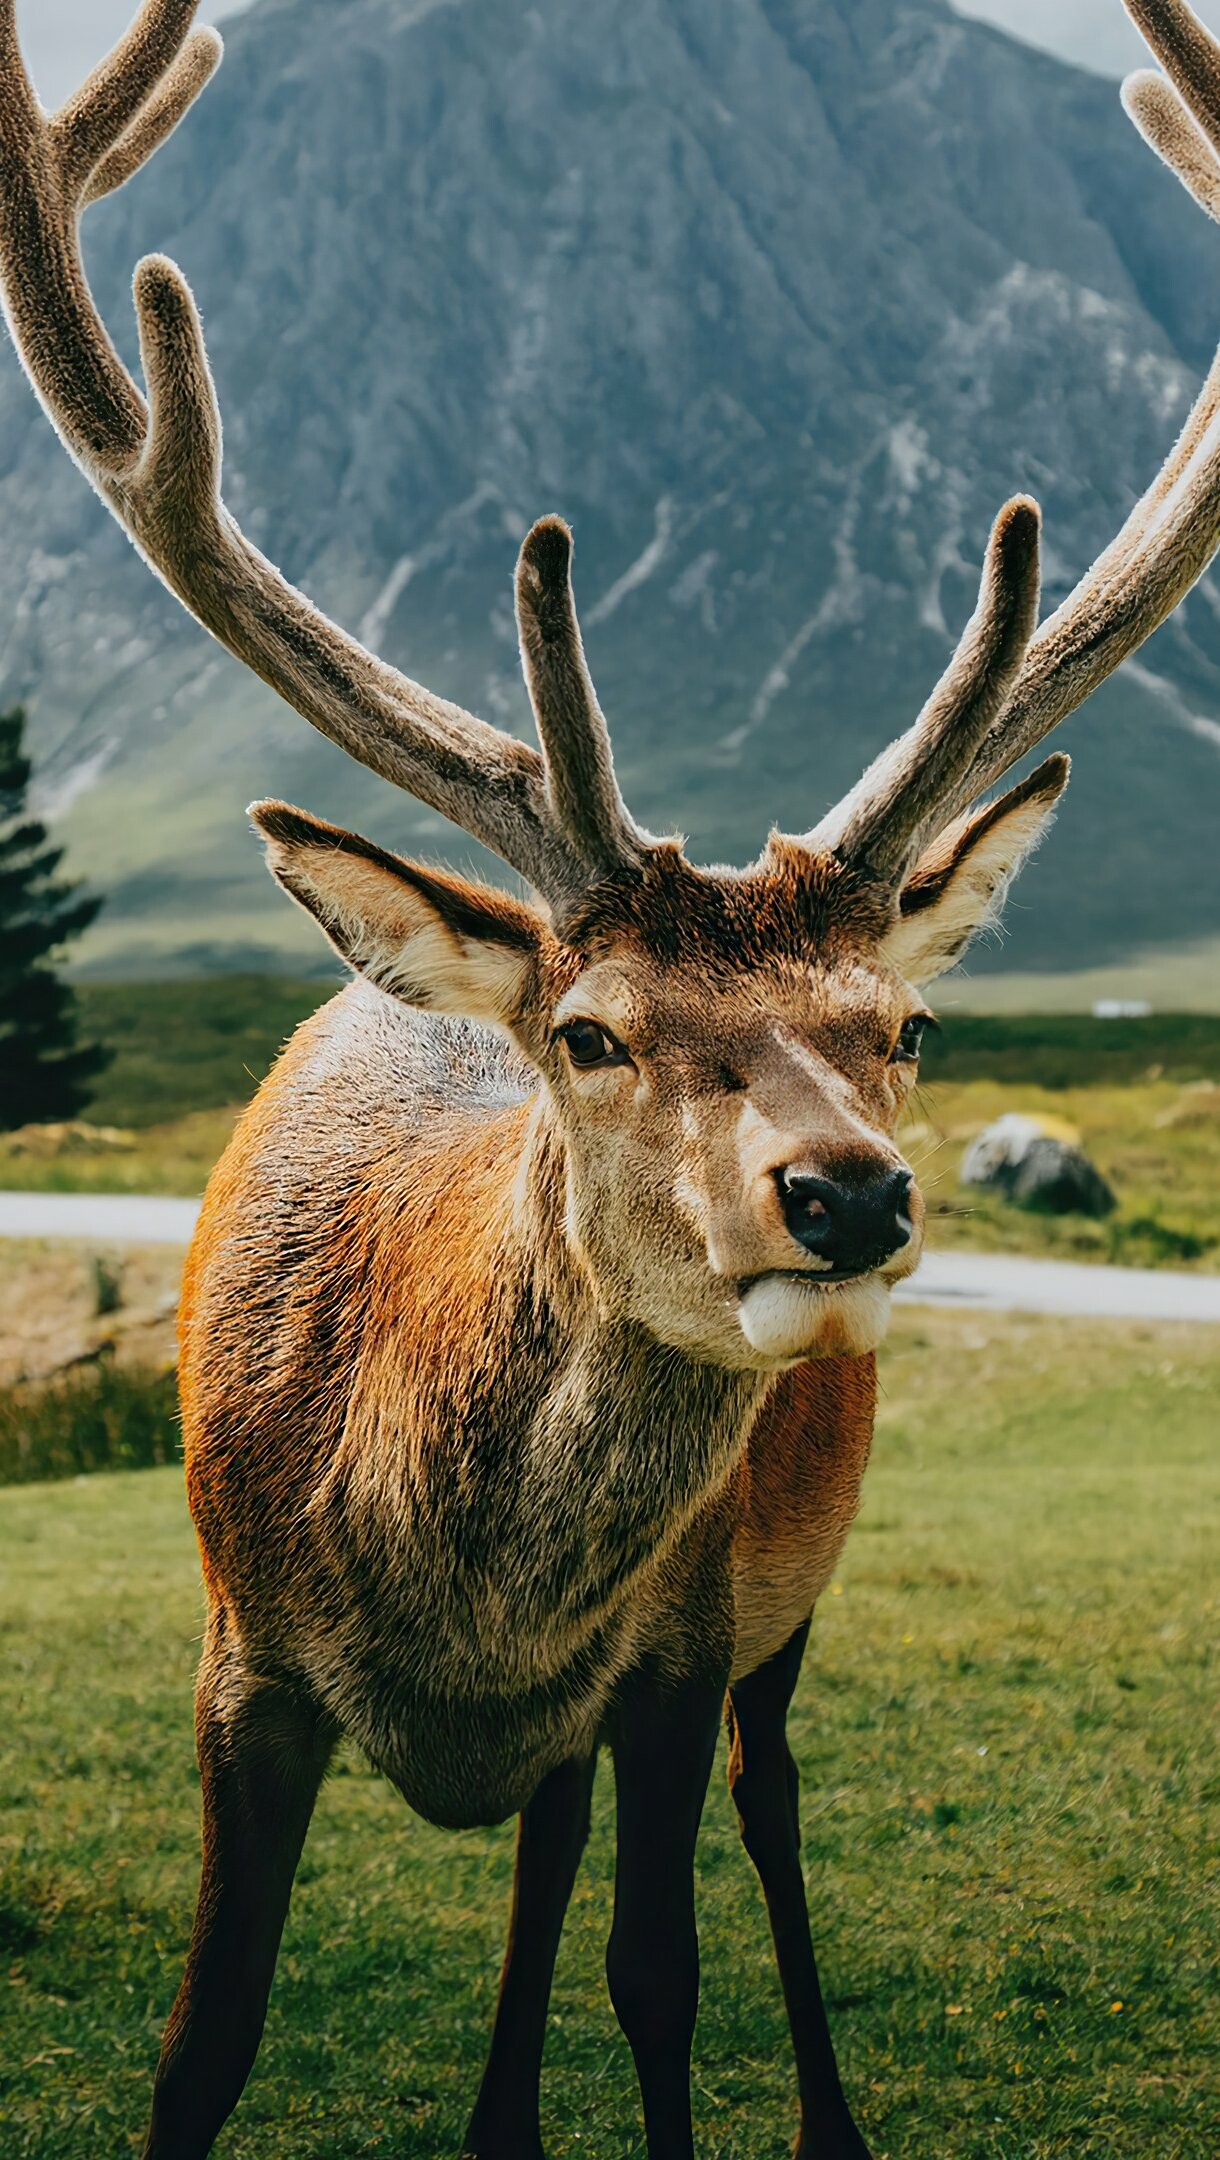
(184, 1046)
(1004, 1732)
(1072, 1050)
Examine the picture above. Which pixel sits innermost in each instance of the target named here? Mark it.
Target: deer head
(722, 1055)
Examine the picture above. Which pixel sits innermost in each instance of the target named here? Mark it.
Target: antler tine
(882, 821)
(582, 790)
(190, 73)
(159, 470)
(1166, 126)
(20, 100)
(1188, 53)
(112, 97)
(1174, 530)
(83, 385)
(178, 478)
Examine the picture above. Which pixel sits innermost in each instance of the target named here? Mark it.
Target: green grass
(180, 1047)
(1072, 1050)
(1007, 1739)
(1157, 1140)
(175, 1159)
(104, 1417)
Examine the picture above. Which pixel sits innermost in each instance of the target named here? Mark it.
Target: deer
(529, 1333)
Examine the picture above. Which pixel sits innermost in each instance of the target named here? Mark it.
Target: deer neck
(559, 1448)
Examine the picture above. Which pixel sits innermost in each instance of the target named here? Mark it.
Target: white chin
(786, 1320)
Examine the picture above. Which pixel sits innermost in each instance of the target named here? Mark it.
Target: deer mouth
(790, 1314)
(824, 1279)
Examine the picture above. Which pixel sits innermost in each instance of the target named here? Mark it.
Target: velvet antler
(968, 737)
(558, 818)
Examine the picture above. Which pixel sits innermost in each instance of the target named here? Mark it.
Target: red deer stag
(527, 1341)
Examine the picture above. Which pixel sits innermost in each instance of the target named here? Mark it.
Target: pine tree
(45, 1072)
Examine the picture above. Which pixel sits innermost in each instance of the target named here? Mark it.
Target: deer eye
(589, 1045)
(910, 1041)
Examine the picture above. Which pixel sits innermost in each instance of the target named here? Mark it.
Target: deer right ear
(432, 940)
(958, 885)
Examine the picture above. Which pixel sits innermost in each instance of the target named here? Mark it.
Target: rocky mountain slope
(776, 299)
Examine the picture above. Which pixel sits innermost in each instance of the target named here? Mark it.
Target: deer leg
(765, 1785)
(664, 1742)
(262, 1755)
(551, 1837)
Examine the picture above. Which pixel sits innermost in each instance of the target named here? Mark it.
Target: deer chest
(799, 1492)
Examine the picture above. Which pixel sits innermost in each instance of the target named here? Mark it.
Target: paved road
(111, 1218)
(998, 1282)
(981, 1282)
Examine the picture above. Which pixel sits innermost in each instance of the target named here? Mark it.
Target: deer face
(733, 1180)
(728, 1071)
(723, 1060)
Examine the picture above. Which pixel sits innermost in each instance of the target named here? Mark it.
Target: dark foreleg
(664, 1742)
(262, 1754)
(551, 1838)
(764, 1783)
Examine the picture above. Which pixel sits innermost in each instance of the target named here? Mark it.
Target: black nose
(857, 1227)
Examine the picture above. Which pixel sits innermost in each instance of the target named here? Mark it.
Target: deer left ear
(957, 887)
(432, 940)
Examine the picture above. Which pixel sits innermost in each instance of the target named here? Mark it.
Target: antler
(947, 759)
(909, 781)
(557, 819)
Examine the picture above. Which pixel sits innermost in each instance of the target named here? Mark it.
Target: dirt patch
(64, 1305)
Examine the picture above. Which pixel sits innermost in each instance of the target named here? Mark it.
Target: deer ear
(434, 941)
(957, 887)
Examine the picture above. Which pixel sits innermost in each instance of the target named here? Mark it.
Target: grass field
(1007, 1738)
(1157, 1141)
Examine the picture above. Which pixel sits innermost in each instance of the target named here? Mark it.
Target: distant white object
(1121, 1009)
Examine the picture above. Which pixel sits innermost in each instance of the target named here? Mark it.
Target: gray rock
(1036, 1169)
(1057, 1179)
(993, 1155)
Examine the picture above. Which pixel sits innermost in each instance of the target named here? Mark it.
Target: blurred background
(777, 301)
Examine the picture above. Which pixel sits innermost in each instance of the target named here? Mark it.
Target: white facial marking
(689, 1198)
(787, 1321)
(832, 1082)
(749, 1122)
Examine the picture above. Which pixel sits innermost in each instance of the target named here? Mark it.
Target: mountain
(777, 300)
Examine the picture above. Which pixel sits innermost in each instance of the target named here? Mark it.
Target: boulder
(1034, 1164)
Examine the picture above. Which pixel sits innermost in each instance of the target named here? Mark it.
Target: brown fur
(796, 1496)
(522, 1405)
(419, 1324)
